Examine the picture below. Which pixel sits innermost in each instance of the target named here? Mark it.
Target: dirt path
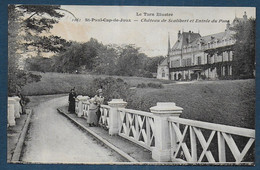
(53, 139)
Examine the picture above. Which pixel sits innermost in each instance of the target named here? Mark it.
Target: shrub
(155, 85)
(112, 88)
(142, 85)
(151, 85)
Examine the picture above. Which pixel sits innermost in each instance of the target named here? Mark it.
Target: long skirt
(72, 106)
(92, 117)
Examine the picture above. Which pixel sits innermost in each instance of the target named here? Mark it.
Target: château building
(200, 57)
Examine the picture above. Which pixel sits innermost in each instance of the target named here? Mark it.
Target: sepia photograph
(138, 85)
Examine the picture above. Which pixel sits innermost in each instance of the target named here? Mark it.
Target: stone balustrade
(163, 133)
(79, 104)
(14, 110)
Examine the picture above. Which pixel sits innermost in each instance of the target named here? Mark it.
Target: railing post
(10, 117)
(16, 107)
(162, 149)
(114, 115)
(80, 101)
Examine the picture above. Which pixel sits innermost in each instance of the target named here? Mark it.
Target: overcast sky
(150, 36)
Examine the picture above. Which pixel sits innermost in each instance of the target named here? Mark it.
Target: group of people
(94, 108)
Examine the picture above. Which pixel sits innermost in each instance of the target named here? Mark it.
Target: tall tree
(77, 55)
(27, 28)
(244, 49)
(130, 62)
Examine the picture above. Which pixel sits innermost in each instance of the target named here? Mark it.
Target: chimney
(245, 16)
(189, 37)
(228, 25)
(179, 33)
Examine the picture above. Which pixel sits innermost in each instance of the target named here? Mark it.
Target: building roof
(184, 39)
(213, 37)
(164, 62)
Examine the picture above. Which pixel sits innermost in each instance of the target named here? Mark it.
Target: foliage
(155, 85)
(150, 85)
(130, 62)
(244, 49)
(142, 85)
(97, 58)
(25, 25)
(113, 88)
(151, 64)
(106, 60)
(41, 64)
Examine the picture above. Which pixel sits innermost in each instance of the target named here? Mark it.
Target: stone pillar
(16, 107)
(78, 105)
(80, 99)
(163, 110)
(10, 114)
(114, 115)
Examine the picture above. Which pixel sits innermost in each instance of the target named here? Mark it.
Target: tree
(131, 62)
(27, 28)
(77, 55)
(244, 49)
(41, 64)
(105, 62)
(152, 63)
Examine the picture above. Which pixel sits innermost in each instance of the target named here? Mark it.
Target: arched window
(163, 73)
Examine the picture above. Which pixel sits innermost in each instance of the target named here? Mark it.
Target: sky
(147, 27)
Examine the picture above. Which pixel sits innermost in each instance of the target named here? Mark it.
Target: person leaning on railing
(94, 108)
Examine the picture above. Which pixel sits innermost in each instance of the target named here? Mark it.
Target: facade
(196, 57)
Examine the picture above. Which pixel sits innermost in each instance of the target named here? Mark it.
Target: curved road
(53, 139)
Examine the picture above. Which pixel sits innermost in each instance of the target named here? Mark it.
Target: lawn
(230, 102)
(57, 83)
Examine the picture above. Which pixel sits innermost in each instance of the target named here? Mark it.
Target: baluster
(107, 117)
(148, 131)
(136, 128)
(221, 148)
(173, 141)
(193, 144)
(127, 123)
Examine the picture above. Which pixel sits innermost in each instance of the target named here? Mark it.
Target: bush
(142, 85)
(151, 85)
(113, 88)
(155, 85)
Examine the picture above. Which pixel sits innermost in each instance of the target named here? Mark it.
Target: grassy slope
(57, 83)
(224, 102)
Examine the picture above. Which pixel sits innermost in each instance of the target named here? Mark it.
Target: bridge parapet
(161, 112)
(219, 143)
(137, 126)
(115, 104)
(175, 139)
(14, 110)
(79, 102)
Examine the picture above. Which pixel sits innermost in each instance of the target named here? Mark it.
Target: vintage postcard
(131, 85)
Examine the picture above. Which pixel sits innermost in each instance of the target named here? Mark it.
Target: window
(184, 62)
(188, 61)
(209, 59)
(199, 60)
(175, 63)
(163, 73)
(231, 56)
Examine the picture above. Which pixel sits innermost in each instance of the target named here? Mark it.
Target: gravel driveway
(53, 139)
